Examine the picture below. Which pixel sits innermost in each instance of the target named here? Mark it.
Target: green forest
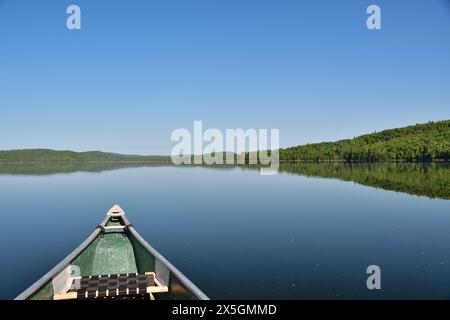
(47, 155)
(421, 142)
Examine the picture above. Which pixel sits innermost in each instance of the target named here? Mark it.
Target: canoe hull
(115, 247)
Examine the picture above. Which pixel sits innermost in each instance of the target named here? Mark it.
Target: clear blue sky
(139, 69)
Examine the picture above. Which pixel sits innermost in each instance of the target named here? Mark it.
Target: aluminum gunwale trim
(188, 283)
(60, 266)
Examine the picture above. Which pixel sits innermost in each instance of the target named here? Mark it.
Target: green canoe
(114, 262)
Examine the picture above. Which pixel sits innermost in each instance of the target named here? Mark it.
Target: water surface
(308, 232)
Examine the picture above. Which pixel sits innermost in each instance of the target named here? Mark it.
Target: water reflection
(422, 179)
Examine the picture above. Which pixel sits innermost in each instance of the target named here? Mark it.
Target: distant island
(417, 143)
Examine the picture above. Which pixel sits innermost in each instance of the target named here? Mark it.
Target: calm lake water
(308, 232)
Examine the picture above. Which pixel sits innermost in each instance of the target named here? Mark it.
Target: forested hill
(421, 142)
(47, 155)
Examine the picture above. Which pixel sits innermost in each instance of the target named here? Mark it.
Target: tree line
(421, 142)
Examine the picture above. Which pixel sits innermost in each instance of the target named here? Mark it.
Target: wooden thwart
(113, 286)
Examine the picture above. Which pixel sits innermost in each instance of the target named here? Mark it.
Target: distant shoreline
(420, 143)
(85, 161)
(236, 164)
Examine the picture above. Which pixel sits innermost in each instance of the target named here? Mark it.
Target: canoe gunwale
(188, 283)
(63, 264)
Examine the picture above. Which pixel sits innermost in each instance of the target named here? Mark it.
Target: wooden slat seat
(113, 286)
